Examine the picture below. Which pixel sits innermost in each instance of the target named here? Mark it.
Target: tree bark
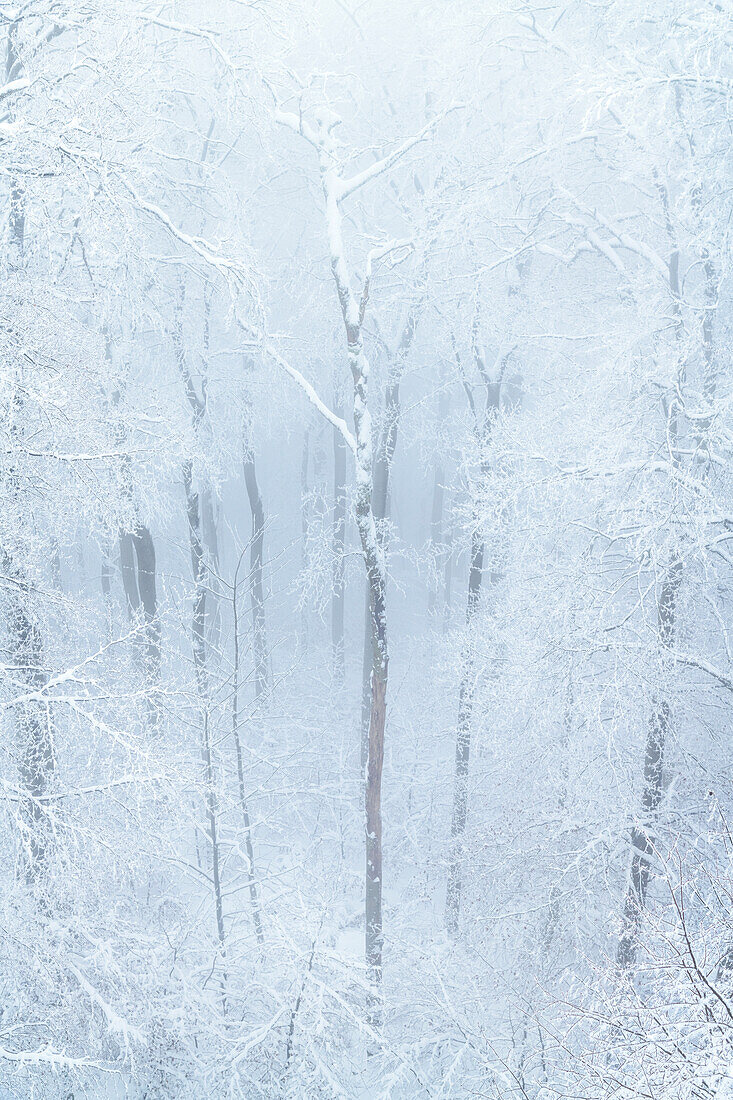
(642, 834)
(249, 846)
(338, 593)
(198, 566)
(382, 471)
(138, 568)
(483, 423)
(257, 591)
(380, 508)
(305, 532)
(463, 740)
(144, 547)
(448, 584)
(198, 403)
(129, 575)
(436, 514)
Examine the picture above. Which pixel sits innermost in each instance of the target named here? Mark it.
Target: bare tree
(483, 421)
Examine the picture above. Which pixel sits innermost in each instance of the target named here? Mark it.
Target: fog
(365, 562)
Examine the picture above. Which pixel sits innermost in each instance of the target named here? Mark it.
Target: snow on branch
(228, 268)
(268, 349)
(344, 188)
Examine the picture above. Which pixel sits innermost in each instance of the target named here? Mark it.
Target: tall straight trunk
(198, 403)
(138, 568)
(483, 424)
(249, 846)
(142, 541)
(436, 532)
(339, 544)
(448, 577)
(129, 574)
(374, 562)
(436, 512)
(380, 509)
(642, 834)
(366, 683)
(463, 740)
(106, 584)
(198, 566)
(210, 537)
(256, 587)
(304, 532)
(373, 805)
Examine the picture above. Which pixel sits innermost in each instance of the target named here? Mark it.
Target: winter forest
(366, 549)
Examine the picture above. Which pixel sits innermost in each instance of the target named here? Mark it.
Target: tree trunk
(339, 543)
(483, 424)
(366, 683)
(198, 403)
(137, 564)
(106, 582)
(380, 509)
(448, 583)
(642, 834)
(142, 542)
(198, 566)
(210, 538)
(257, 592)
(249, 846)
(463, 741)
(436, 534)
(129, 576)
(305, 531)
(436, 514)
(373, 804)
